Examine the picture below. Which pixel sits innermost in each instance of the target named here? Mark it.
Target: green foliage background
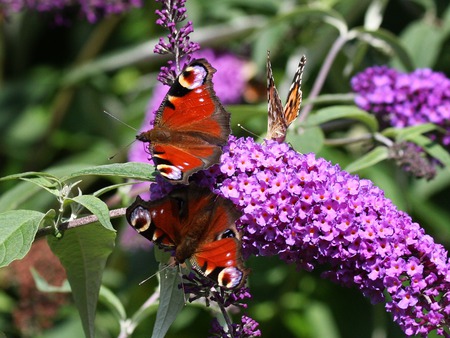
(56, 81)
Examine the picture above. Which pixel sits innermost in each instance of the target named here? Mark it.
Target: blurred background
(60, 69)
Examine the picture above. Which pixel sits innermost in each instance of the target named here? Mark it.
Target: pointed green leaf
(309, 139)
(17, 231)
(132, 170)
(108, 298)
(97, 207)
(343, 112)
(371, 158)
(29, 174)
(83, 252)
(171, 301)
(111, 187)
(24, 192)
(423, 40)
(374, 37)
(400, 134)
(43, 286)
(44, 183)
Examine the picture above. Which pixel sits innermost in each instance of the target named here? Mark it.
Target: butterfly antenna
(123, 148)
(182, 284)
(158, 272)
(119, 120)
(248, 131)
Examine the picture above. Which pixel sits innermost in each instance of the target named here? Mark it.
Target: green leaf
(111, 187)
(242, 113)
(44, 183)
(31, 174)
(423, 41)
(343, 112)
(171, 301)
(132, 170)
(308, 12)
(375, 37)
(401, 134)
(371, 158)
(23, 193)
(309, 139)
(108, 298)
(97, 207)
(83, 252)
(43, 286)
(17, 231)
(374, 14)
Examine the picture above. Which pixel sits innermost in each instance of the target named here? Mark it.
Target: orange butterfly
(280, 118)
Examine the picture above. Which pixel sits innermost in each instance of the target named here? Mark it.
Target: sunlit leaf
(401, 134)
(132, 170)
(17, 231)
(43, 286)
(97, 207)
(423, 40)
(371, 158)
(375, 37)
(343, 112)
(307, 140)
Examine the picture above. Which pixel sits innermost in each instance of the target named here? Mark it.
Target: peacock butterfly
(280, 118)
(196, 225)
(190, 127)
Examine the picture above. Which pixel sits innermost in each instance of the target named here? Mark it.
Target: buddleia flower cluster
(92, 10)
(177, 42)
(404, 100)
(309, 212)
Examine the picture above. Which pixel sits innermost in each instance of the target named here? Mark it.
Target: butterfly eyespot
(140, 219)
(169, 171)
(193, 77)
(230, 277)
(229, 233)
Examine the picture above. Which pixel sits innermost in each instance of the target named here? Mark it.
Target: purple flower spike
(403, 100)
(310, 212)
(178, 42)
(92, 10)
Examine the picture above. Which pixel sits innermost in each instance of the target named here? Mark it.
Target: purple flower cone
(92, 10)
(405, 99)
(310, 212)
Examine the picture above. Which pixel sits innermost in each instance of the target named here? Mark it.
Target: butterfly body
(198, 226)
(280, 117)
(190, 127)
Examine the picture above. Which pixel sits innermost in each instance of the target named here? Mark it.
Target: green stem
(226, 317)
(323, 73)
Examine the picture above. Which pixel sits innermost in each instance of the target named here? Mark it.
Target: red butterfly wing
(158, 221)
(218, 255)
(191, 125)
(200, 226)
